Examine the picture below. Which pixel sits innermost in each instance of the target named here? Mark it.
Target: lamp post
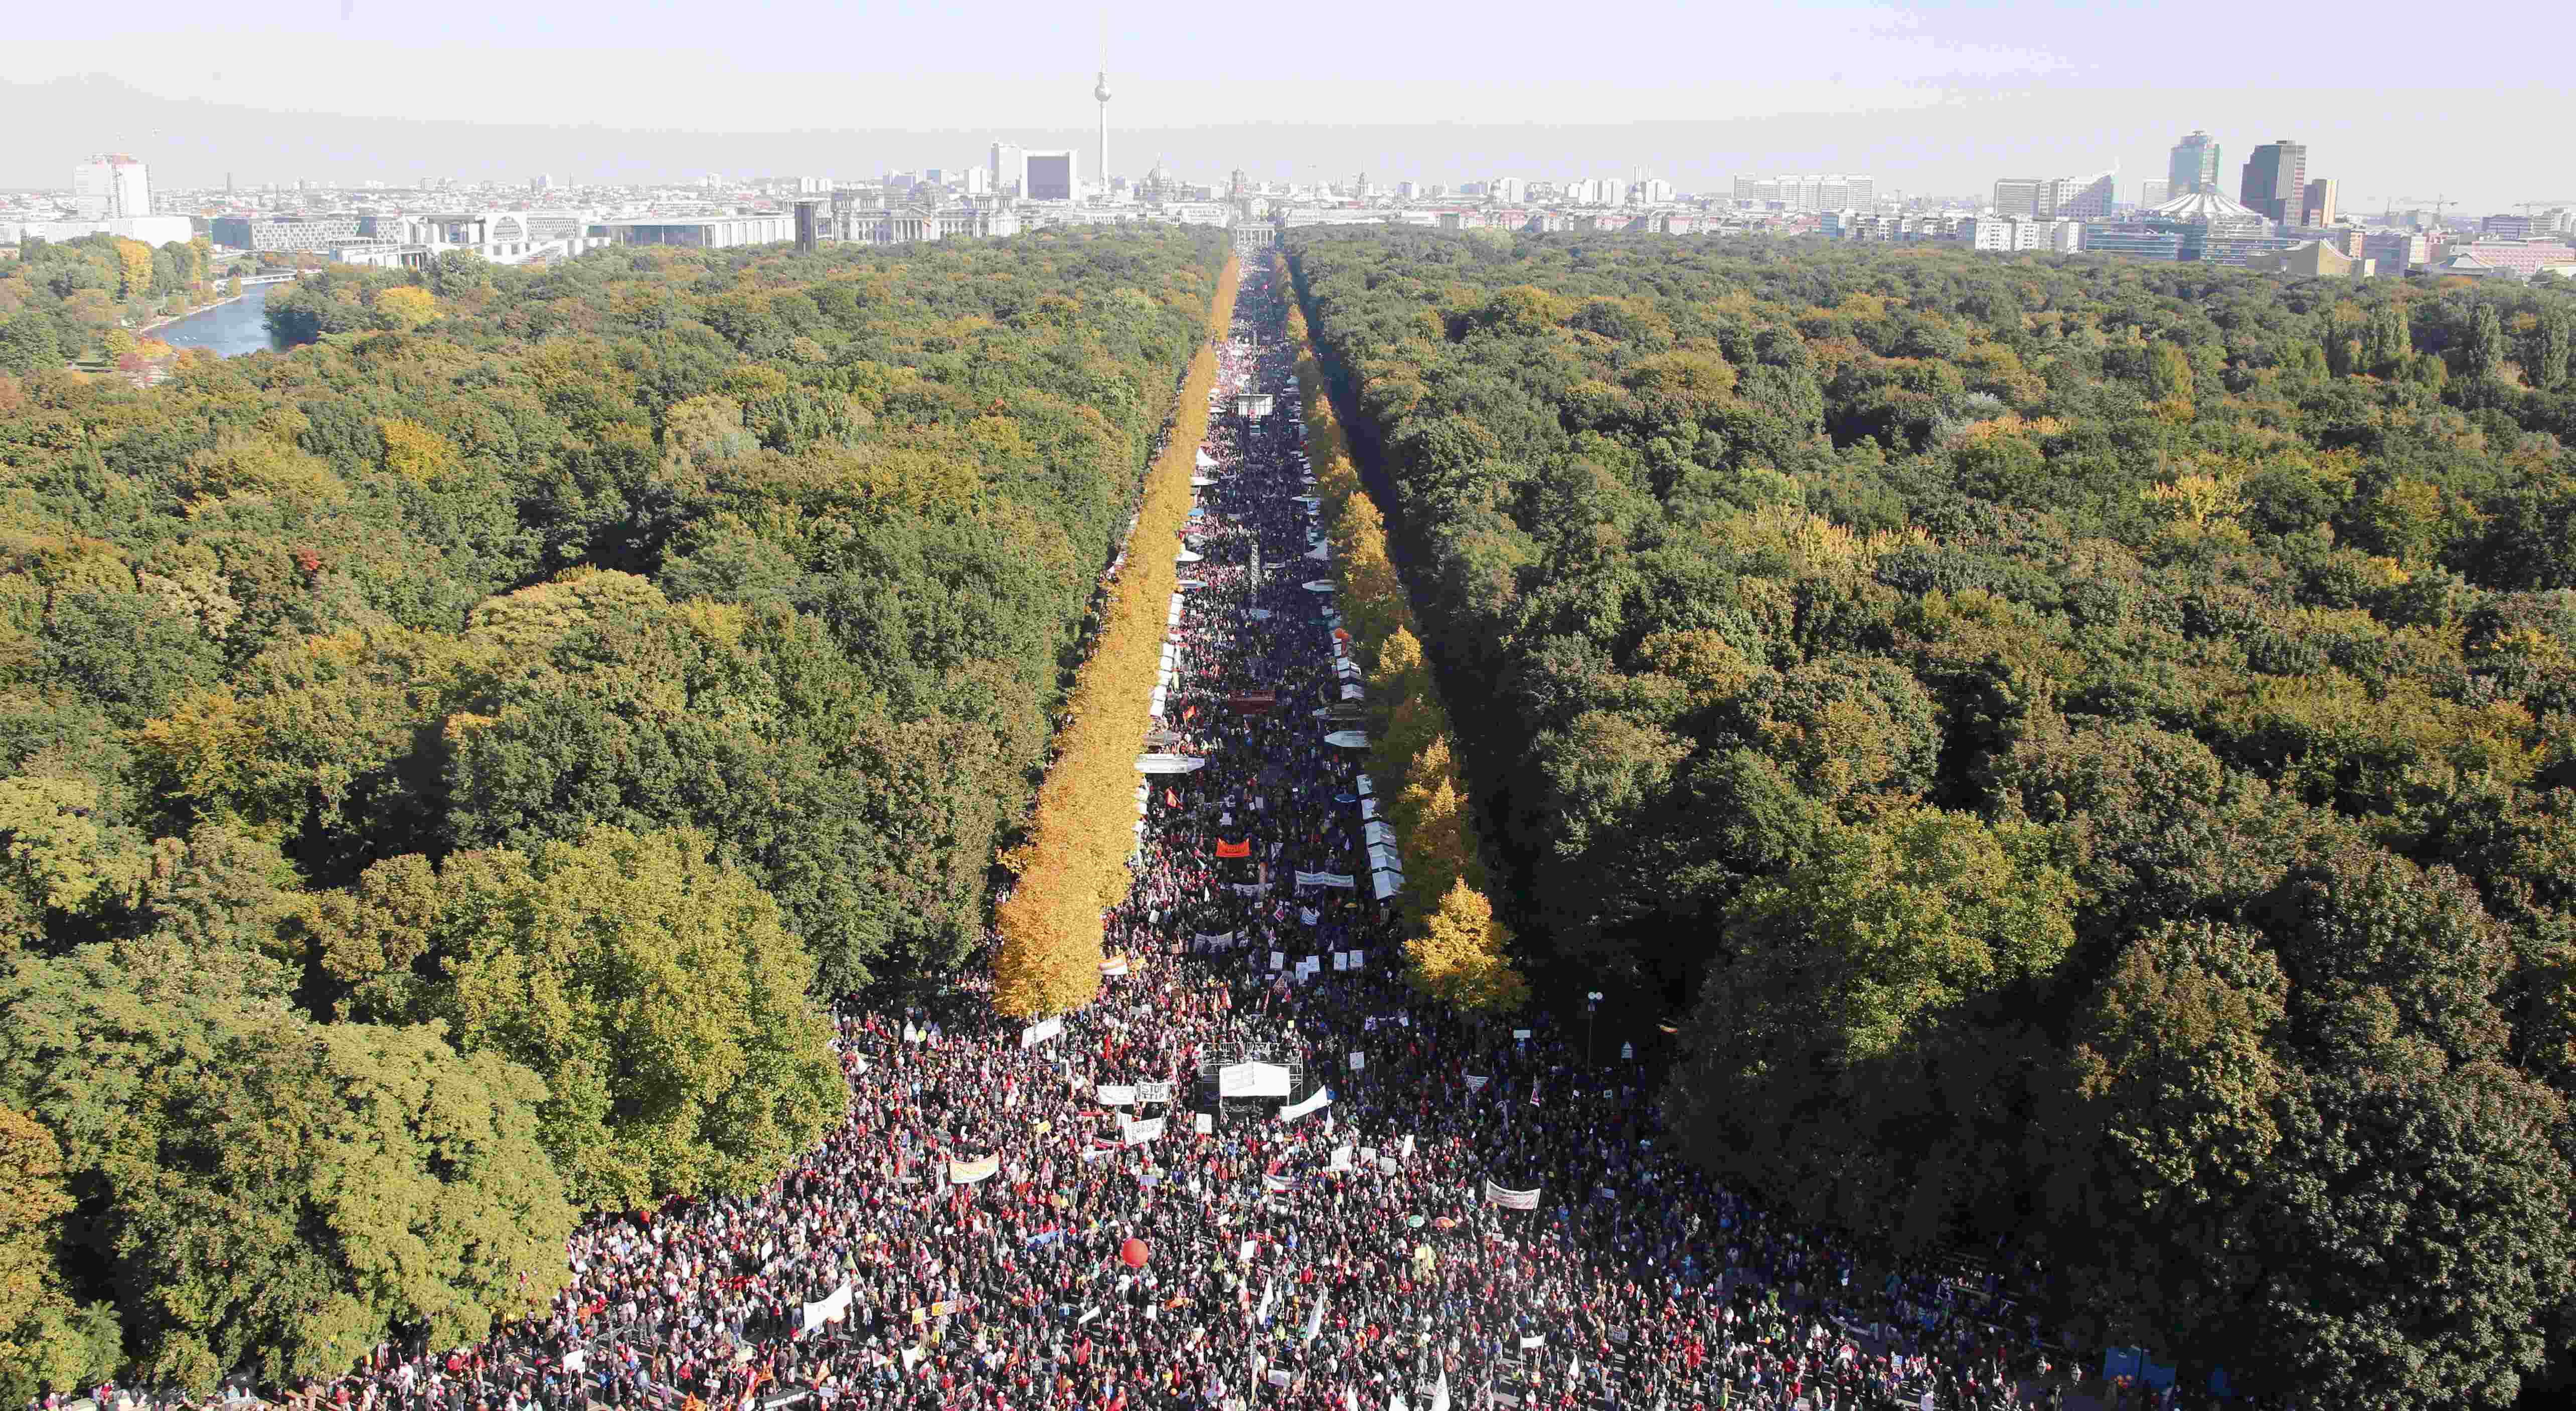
(1591, 1006)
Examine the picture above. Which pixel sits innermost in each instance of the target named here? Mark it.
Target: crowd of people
(1440, 1212)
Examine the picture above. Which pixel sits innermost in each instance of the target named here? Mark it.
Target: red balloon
(1132, 1253)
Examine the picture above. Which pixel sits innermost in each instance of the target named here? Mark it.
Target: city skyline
(1935, 101)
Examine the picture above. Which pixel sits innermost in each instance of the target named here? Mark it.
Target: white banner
(1252, 1080)
(1139, 1133)
(1530, 1342)
(1117, 1094)
(1205, 1123)
(1169, 764)
(1277, 959)
(1342, 880)
(1114, 966)
(1041, 1031)
(1342, 1157)
(1153, 1092)
(967, 1173)
(1320, 1099)
(830, 1310)
(1359, 1061)
(1511, 1200)
(1341, 962)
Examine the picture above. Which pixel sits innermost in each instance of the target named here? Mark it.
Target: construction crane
(2438, 203)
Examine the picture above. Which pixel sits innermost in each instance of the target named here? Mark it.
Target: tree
(268, 1194)
(1463, 956)
(655, 985)
(47, 1342)
(406, 307)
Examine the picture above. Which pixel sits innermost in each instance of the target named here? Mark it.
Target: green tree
(658, 989)
(268, 1194)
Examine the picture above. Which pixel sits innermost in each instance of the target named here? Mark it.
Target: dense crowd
(1346, 1256)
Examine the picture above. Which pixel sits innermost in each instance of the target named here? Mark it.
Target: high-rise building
(2091, 196)
(2053, 196)
(1010, 169)
(2155, 193)
(1052, 176)
(2275, 181)
(2193, 165)
(2317, 205)
(111, 186)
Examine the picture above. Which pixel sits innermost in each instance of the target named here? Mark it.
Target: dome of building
(2213, 212)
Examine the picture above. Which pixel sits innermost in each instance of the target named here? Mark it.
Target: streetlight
(1591, 1005)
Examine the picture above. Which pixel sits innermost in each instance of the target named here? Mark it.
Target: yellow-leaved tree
(407, 308)
(1463, 956)
(1074, 865)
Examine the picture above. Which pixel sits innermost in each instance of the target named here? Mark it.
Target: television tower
(1101, 92)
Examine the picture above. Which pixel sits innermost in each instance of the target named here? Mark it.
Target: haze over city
(1319, 707)
(1933, 98)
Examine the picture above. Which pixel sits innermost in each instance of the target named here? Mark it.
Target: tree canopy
(2079, 744)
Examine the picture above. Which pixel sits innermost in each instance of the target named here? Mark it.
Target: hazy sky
(1955, 94)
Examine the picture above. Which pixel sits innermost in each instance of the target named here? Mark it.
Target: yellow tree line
(1074, 865)
(1454, 947)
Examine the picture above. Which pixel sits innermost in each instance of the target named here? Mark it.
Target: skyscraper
(110, 186)
(2276, 180)
(2193, 166)
(2317, 207)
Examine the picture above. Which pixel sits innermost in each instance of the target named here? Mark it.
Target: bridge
(249, 280)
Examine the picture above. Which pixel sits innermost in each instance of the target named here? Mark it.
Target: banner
(1153, 1092)
(1249, 889)
(1317, 1102)
(1117, 1095)
(1341, 961)
(1277, 959)
(1204, 941)
(1343, 880)
(1205, 1122)
(1341, 1159)
(1530, 1342)
(1252, 1080)
(967, 1173)
(1114, 966)
(1476, 1082)
(830, 1310)
(1041, 1031)
(1139, 1133)
(1241, 849)
(1169, 764)
(1511, 1200)
(1359, 1061)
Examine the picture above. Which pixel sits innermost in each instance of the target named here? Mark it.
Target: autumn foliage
(1074, 864)
(1455, 949)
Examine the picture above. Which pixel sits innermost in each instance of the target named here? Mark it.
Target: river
(229, 329)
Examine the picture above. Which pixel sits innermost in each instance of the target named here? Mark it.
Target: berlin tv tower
(1101, 92)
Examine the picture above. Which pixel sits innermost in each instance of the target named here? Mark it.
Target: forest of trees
(449, 766)
(2082, 746)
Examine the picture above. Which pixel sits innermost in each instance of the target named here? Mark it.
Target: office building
(2155, 193)
(2275, 181)
(2192, 167)
(2317, 206)
(1010, 170)
(2508, 227)
(1050, 176)
(313, 233)
(110, 186)
(2395, 252)
(2041, 197)
(699, 232)
(1817, 192)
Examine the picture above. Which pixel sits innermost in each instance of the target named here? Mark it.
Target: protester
(1342, 1257)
